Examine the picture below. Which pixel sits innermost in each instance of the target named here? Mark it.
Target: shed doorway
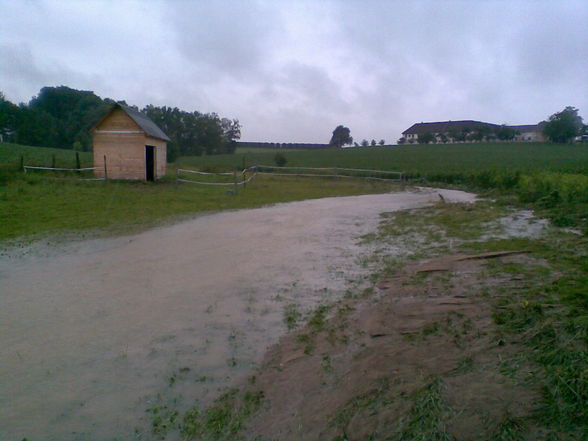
(149, 163)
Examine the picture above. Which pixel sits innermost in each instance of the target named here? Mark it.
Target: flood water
(93, 333)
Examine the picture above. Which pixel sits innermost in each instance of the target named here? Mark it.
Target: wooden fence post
(105, 169)
(53, 161)
(22, 163)
(78, 166)
(235, 178)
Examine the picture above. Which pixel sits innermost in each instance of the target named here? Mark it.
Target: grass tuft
(424, 421)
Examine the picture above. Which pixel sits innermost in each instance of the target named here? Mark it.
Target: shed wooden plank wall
(125, 152)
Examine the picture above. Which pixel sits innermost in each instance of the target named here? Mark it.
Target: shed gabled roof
(142, 120)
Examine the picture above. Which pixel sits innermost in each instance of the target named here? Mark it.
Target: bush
(280, 160)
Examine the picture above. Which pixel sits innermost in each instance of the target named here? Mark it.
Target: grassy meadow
(552, 178)
(39, 203)
(420, 160)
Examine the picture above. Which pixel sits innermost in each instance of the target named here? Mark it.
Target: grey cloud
(484, 61)
(292, 71)
(23, 76)
(224, 38)
(306, 85)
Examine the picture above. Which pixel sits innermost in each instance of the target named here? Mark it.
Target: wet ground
(95, 332)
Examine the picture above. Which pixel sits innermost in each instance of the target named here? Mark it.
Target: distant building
(450, 129)
(471, 131)
(6, 134)
(130, 145)
(530, 133)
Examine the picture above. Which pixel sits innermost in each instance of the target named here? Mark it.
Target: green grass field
(554, 178)
(551, 177)
(421, 159)
(36, 204)
(11, 155)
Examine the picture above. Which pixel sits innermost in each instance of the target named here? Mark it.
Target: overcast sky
(291, 71)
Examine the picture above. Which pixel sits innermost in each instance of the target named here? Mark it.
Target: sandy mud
(95, 332)
(374, 355)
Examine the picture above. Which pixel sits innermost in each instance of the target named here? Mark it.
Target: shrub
(280, 160)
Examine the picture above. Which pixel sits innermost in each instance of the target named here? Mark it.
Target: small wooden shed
(129, 146)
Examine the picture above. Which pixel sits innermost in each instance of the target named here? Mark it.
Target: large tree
(563, 126)
(62, 117)
(426, 138)
(71, 112)
(341, 136)
(505, 133)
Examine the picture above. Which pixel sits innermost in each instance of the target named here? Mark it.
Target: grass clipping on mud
(491, 347)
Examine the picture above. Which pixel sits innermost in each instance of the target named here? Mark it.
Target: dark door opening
(149, 162)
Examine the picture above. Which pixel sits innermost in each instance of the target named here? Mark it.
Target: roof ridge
(143, 121)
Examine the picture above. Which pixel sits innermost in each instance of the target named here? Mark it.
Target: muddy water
(95, 332)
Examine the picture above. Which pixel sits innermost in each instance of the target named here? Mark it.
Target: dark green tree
(563, 126)
(505, 133)
(482, 133)
(280, 159)
(478, 135)
(426, 138)
(454, 135)
(9, 117)
(231, 133)
(72, 112)
(194, 133)
(62, 117)
(341, 136)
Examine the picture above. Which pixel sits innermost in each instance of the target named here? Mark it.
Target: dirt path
(93, 332)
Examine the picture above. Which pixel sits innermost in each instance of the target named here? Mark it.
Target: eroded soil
(425, 335)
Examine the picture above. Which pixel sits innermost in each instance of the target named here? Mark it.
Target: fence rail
(244, 180)
(30, 167)
(338, 172)
(62, 169)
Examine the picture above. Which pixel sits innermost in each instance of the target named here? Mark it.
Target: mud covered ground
(118, 338)
(420, 357)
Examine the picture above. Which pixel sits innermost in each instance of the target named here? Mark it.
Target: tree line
(62, 117)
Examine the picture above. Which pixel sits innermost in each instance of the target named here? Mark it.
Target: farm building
(129, 145)
(444, 127)
(530, 132)
(465, 131)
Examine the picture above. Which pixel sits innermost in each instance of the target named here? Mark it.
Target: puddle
(97, 331)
